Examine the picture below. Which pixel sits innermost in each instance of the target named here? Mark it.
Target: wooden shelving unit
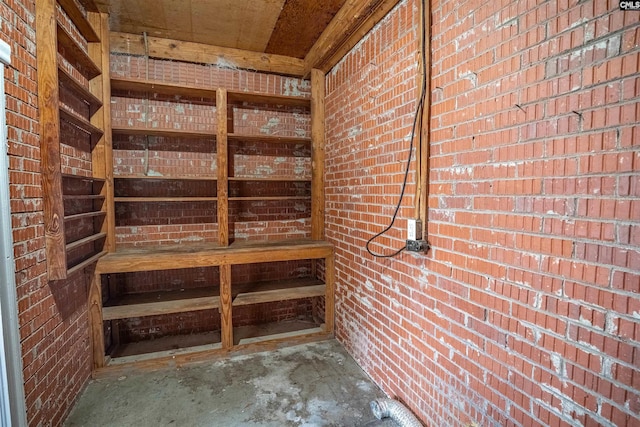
(77, 199)
(226, 253)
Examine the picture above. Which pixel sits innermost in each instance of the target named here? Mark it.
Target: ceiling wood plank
(206, 54)
(349, 25)
(300, 24)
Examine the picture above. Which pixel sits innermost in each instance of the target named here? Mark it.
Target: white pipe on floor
(12, 406)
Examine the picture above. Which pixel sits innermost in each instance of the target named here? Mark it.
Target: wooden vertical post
(225, 306)
(329, 302)
(317, 154)
(424, 127)
(102, 154)
(96, 330)
(48, 95)
(223, 168)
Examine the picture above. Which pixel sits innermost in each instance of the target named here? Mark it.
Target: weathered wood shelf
(268, 179)
(167, 177)
(82, 178)
(167, 133)
(76, 55)
(157, 303)
(262, 98)
(267, 198)
(163, 199)
(270, 139)
(76, 244)
(79, 20)
(82, 124)
(84, 215)
(78, 90)
(280, 290)
(87, 262)
(82, 197)
(162, 88)
(209, 254)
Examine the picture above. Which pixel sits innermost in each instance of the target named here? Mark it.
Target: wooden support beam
(177, 50)
(225, 307)
(422, 155)
(96, 330)
(317, 154)
(329, 301)
(48, 108)
(223, 168)
(352, 22)
(102, 154)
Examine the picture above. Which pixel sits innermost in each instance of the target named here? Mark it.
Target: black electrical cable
(419, 110)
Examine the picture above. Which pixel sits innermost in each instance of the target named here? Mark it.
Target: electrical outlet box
(414, 229)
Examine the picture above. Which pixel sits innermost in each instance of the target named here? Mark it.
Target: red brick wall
(52, 315)
(526, 309)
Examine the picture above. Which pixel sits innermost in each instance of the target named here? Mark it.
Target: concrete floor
(316, 384)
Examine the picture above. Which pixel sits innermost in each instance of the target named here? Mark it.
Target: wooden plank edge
(204, 356)
(87, 262)
(284, 294)
(161, 307)
(176, 50)
(79, 20)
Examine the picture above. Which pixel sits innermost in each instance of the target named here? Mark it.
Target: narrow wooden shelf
(235, 97)
(87, 262)
(167, 133)
(267, 198)
(76, 55)
(82, 178)
(72, 85)
(279, 291)
(163, 199)
(84, 215)
(268, 179)
(156, 303)
(79, 20)
(270, 139)
(252, 336)
(82, 197)
(161, 88)
(82, 124)
(88, 239)
(167, 177)
(209, 254)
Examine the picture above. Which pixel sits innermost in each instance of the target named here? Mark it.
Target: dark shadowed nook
(320, 213)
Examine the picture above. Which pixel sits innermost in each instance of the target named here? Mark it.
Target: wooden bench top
(192, 255)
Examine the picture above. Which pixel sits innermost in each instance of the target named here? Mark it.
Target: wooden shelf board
(82, 178)
(87, 262)
(278, 291)
(235, 97)
(167, 177)
(274, 331)
(164, 347)
(194, 255)
(84, 241)
(161, 88)
(78, 56)
(82, 124)
(163, 199)
(271, 139)
(267, 198)
(157, 303)
(79, 20)
(167, 133)
(82, 197)
(71, 84)
(84, 215)
(268, 179)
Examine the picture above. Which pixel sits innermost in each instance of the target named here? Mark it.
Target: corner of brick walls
(52, 315)
(526, 310)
